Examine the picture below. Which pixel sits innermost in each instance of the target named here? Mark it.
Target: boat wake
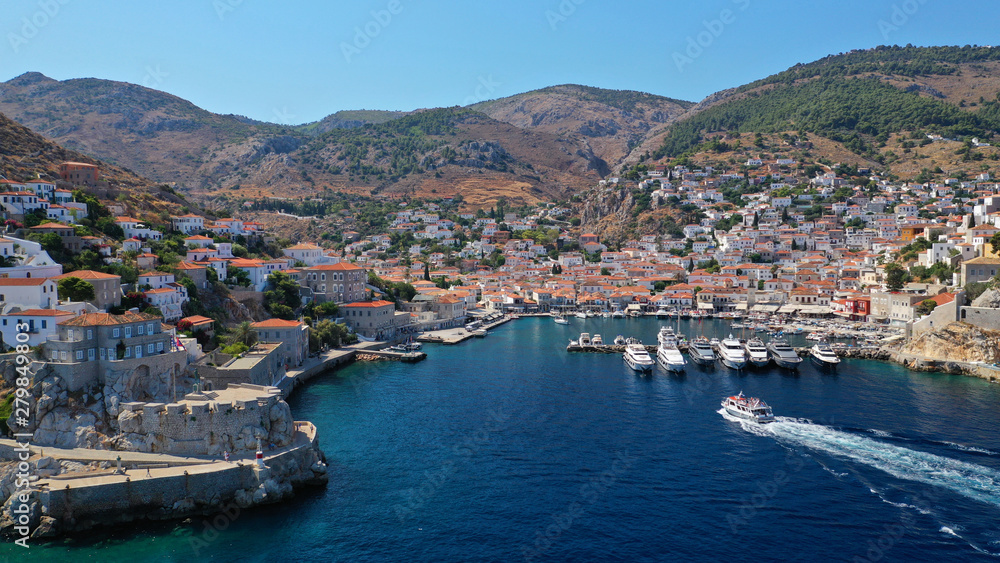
(967, 479)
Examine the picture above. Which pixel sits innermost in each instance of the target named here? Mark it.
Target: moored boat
(732, 354)
(824, 356)
(584, 339)
(783, 354)
(597, 340)
(701, 351)
(637, 358)
(667, 353)
(757, 352)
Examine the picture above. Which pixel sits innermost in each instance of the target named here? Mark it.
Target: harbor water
(508, 448)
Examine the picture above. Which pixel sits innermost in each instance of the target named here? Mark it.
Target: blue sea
(508, 448)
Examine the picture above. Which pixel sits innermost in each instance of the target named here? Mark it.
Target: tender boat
(561, 320)
(667, 353)
(757, 352)
(824, 356)
(584, 339)
(732, 354)
(637, 358)
(748, 408)
(597, 340)
(701, 351)
(619, 340)
(783, 354)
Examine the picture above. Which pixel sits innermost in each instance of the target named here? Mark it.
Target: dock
(458, 334)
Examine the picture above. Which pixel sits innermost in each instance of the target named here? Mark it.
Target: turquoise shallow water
(509, 448)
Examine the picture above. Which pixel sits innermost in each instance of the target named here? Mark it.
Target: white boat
(732, 354)
(606, 314)
(635, 313)
(597, 340)
(757, 352)
(701, 351)
(783, 354)
(561, 320)
(584, 339)
(414, 346)
(619, 340)
(714, 342)
(618, 314)
(581, 315)
(667, 353)
(589, 314)
(480, 333)
(661, 313)
(748, 408)
(823, 356)
(637, 358)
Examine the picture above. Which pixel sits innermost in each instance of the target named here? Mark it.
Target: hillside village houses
(799, 246)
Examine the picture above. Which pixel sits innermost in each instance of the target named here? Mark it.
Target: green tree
(605, 272)
(926, 307)
(75, 289)
(427, 271)
(243, 333)
(895, 276)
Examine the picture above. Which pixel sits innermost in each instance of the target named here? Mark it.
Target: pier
(459, 333)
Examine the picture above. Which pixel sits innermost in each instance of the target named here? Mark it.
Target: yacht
(823, 356)
(748, 408)
(584, 339)
(701, 352)
(561, 320)
(757, 352)
(637, 358)
(618, 314)
(783, 354)
(619, 340)
(667, 353)
(597, 340)
(732, 354)
(661, 313)
(581, 315)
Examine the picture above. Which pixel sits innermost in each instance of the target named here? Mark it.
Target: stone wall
(982, 317)
(205, 427)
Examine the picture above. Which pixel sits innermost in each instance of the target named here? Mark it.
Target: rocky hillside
(25, 155)
(612, 122)
(959, 342)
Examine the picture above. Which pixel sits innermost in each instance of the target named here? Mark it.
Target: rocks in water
(47, 528)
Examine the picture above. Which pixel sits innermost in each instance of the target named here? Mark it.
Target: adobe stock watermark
(283, 116)
(212, 527)
(563, 11)
(223, 7)
(704, 39)
(590, 492)
(32, 25)
(154, 77)
(363, 35)
(876, 550)
(763, 495)
(900, 15)
(484, 90)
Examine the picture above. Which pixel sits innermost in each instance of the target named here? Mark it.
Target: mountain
(611, 121)
(349, 119)
(25, 155)
(858, 98)
(154, 133)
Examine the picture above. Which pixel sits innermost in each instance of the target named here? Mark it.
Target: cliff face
(958, 342)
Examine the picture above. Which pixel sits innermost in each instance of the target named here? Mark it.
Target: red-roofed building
(342, 282)
(292, 335)
(374, 319)
(38, 324)
(79, 173)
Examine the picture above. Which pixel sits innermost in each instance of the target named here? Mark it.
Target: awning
(705, 306)
(741, 306)
(788, 308)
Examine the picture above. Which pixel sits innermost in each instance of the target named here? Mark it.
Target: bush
(235, 349)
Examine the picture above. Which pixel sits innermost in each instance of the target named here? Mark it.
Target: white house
(38, 324)
(28, 293)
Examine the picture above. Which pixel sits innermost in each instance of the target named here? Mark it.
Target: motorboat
(757, 352)
(783, 354)
(589, 314)
(618, 314)
(748, 408)
(701, 351)
(581, 315)
(619, 340)
(597, 340)
(667, 353)
(662, 313)
(638, 358)
(584, 339)
(561, 320)
(732, 354)
(824, 356)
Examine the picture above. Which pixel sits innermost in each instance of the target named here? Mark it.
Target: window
(114, 333)
(90, 331)
(128, 332)
(104, 353)
(45, 324)
(128, 352)
(322, 277)
(159, 346)
(140, 329)
(138, 350)
(149, 328)
(90, 354)
(79, 354)
(62, 355)
(149, 348)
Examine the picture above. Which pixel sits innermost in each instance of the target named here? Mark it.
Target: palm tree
(243, 333)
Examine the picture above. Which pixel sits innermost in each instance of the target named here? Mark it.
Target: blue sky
(299, 60)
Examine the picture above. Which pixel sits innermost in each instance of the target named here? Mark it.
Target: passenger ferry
(637, 358)
(748, 408)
